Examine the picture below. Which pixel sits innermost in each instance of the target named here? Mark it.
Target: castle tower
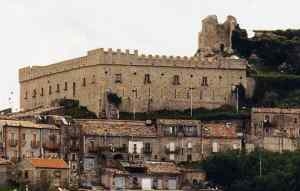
(214, 36)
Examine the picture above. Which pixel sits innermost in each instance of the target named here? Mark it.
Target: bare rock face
(216, 37)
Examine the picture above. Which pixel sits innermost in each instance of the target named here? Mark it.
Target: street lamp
(134, 91)
(235, 88)
(191, 101)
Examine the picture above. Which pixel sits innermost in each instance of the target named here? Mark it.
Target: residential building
(39, 173)
(26, 139)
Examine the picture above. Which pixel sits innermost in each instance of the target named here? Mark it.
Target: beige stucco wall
(101, 66)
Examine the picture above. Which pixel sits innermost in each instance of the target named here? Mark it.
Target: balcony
(51, 146)
(12, 142)
(74, 147)
(92, 149)
(35, 144)
(176, 150)
(147, 150)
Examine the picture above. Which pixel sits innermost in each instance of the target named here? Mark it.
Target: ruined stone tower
(214, 36)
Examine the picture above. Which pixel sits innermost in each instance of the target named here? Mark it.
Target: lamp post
(235, 89)
(191, 101)
(134, 91)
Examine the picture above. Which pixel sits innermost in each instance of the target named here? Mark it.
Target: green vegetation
(274, 62)
(277, 91)
(277, 50)
(222, 113)
(75, 110)
(241, 172)
(114, 99)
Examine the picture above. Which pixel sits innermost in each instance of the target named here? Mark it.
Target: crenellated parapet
(130, 58)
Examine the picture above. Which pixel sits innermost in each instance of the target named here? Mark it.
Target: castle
(144, 82)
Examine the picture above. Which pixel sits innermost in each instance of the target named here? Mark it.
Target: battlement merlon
(130, 58)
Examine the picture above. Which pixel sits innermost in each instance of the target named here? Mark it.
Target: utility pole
(191, 101)
(134, 96)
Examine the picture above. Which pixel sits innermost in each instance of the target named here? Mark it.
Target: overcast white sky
(39, 32)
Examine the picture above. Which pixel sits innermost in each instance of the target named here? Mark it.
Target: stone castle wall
(88, 78)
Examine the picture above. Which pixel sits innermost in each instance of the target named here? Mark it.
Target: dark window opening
(83, 82)
(66, 86)
(34, 93)
(57, 88)
(42, 91)
(204, 81)
(26, 95)
(176, 80)
(147, 79)
(118, 78)
(50, 90)
(74, 89)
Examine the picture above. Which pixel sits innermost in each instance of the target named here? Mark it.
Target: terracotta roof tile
(49, 163)
(220, 130)
(117, 128)
(161, 168)
(276, 110)
(23, 123)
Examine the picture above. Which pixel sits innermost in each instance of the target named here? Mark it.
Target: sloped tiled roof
(177, 121)
(23, 123)
(117, 128)
(220, 130)
(161, 168)
(49, 163)
(276, 110)
(36, 111)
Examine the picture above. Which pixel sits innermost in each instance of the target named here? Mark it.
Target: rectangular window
(147, 79)
(57, 88)
(176, 80)
(93, 79)
(118, 78)
(23, 136)
(204, 81)
(66, 86)
(26, 95)
(42, 91)
(74, 89)
(50, 90)
(34, 93)
(83, 82)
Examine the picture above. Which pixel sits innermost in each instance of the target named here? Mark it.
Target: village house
(144, 176)
(192, 140)
(7, 172)
(275, 129)
(119, 140)
(26, 139)
(36, 172)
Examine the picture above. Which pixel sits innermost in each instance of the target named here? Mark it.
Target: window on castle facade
(57, 88)
(118, 78)
(66, 86)
(26, 95)
(34, 93)
(204, 81)
(93, 79)
(50, 90)
(176, 80)
(42, 91)
(147, 79)
(74, 89)
(83, 82)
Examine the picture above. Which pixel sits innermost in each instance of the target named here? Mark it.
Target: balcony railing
(35, 144)
(74, 147)
(92, 149)
(147, 150)
(12, 142)
(176, 150)
(52, 146)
